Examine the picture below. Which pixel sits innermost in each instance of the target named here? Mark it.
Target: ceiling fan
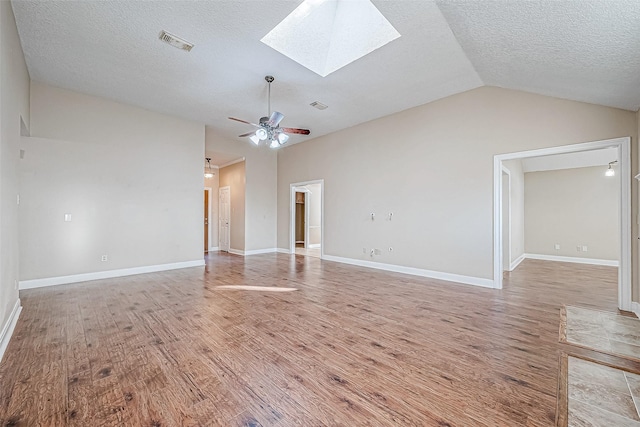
(269, 126)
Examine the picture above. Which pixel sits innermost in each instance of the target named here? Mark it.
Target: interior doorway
(622, 145)
(207, 215)
(302, 217)
(224, 227)
(307, 218)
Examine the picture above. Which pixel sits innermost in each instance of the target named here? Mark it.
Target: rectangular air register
(318, 105)
(175, 41)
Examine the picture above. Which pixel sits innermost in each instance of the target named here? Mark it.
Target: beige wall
(517, 207)
(261, 189)
(131, 179)
(14, 104)
(432, 166)
(233, 176)
(213, 184)
(572, 207)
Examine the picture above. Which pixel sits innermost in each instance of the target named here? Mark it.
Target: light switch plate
(67, 217)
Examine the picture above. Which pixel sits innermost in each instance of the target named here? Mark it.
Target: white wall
(131, 179)
(261, 188)
(432, 166)
(572, 207)
(517, 207)
(14, 104)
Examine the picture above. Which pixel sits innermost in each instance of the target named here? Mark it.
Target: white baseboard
(635, 307)
(593, 261)
(7, 330)
(449, 277)
(517, 262)
(283, 251)
(313, 246)
(253, 251)
(214, 249)
(109, 274)
(260, 251)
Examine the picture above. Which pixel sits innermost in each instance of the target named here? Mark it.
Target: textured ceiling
(588, 51)
(585, 50)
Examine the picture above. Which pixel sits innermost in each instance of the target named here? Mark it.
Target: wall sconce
(610, 171)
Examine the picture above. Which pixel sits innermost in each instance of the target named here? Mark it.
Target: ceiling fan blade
(243, 121)
(245, 134)
(275, 119)
(296, 130)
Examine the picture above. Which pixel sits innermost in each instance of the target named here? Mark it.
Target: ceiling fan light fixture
(269, 128)
(261, 134)
(282, 138)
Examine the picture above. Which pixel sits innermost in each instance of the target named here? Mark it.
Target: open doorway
(302, 217)
(621, 202)
(224, 220)
(306, 219)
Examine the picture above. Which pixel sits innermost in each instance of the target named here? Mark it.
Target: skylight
(326, 35)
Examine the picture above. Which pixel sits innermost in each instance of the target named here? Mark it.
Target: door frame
(624, 160)
(210, 190)
(219, 213)
(508, 200)
(292, 215)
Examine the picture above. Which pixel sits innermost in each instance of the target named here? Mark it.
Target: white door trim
(306, 220)
(210, 189)
(292, 214)
(508, 173)
(219, 221)
(624, 155)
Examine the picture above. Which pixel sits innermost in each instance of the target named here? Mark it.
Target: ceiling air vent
(318, 105)
(175, 41)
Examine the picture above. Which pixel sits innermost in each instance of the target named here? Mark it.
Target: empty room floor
(351, 346)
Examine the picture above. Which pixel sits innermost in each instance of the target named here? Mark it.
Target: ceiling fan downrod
(269, 80)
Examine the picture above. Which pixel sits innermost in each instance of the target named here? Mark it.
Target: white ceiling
(583, 50)
(219, 158)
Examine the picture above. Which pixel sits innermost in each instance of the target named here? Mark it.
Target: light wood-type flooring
(352, 347)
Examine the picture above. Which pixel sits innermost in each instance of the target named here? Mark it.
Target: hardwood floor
(353, 346)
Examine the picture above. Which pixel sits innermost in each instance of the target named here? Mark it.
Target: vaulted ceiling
(586, 50)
